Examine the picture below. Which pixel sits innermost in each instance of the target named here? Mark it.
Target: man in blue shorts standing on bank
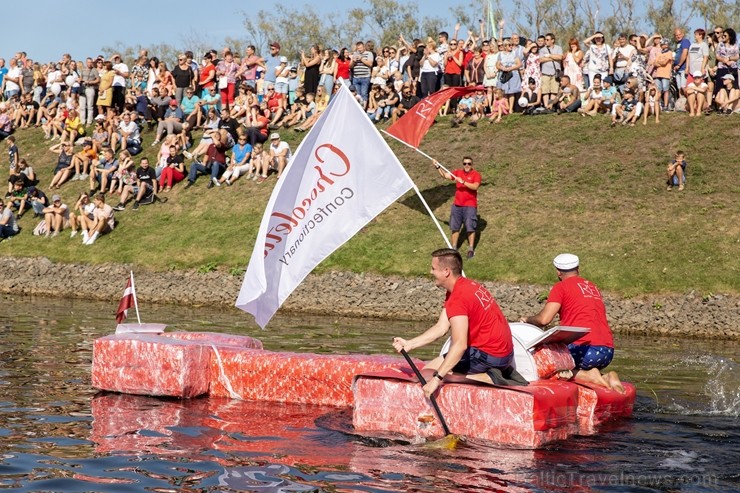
(465, 207)
(579, 304)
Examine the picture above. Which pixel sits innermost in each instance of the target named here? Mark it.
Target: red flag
(414, 125)
(127, 301)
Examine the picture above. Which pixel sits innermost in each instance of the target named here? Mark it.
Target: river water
(58, 434)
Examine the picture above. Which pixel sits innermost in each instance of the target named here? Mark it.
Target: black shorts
(475, 361)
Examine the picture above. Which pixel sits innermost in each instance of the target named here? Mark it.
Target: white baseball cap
(275, 136)
(565, 261)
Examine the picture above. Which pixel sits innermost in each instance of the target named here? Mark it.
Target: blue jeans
(195, 169)
(362, 86)
(6, 231)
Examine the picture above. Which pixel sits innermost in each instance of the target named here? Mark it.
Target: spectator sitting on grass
(677, 172)
(610, 93)
(100, 136)
(279, 154)
(64, 167)
(72, 127)
(173, 171)
(210, 100)
(172, 122)
(145, 189)
(6, 122)
(594, 98)
(127, 134)
(240, 161)
(83, 159)
(569, 97)
(628, 111)
(83, 207)
(407, 101)
(500, 106)
(728, 98)
(103, 171)
(322, 101)
(8, 223)
(696, 94)
(56, 216)
(22, 172)
(209, 128)
(464, 109)
(121, 177)
(101, 223)
(215, 163)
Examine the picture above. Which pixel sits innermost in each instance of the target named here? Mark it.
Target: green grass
(551, 184)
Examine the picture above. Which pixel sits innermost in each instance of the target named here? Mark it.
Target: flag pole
(136, 302)
(417, 150)
(418, 192)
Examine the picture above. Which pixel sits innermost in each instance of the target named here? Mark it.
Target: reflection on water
(58, 434)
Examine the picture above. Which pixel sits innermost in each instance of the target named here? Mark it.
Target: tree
(385, 20)
(664, 16)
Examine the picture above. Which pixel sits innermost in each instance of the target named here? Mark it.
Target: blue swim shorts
(588, 357)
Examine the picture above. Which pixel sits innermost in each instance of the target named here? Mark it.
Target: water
(59, 434)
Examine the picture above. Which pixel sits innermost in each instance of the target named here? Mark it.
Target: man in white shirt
(279, 153)
(12, 80)
(120, 70)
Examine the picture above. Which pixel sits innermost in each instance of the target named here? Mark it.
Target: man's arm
(545, 316)
(430, 335)
(459, 344)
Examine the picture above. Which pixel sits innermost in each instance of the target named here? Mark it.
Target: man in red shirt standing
(579, 304)
(465, 207)
(480, 335)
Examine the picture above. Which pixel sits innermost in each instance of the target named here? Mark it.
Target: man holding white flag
(342, 176)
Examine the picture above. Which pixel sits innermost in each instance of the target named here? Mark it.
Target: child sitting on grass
(677, 171)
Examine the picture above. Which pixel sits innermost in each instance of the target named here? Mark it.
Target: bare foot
(614, 382)
(591, 376)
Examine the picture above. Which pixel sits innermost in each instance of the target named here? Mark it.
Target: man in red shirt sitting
(579, 304)
(465, 207)
(481, 343)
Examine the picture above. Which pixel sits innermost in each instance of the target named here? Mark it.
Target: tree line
(384, 20)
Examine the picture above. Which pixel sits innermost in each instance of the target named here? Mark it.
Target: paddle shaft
(431, 397)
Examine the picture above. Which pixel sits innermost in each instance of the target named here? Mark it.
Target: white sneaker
(55, 234)
(187, 154)
(84, 176)
(216, 182)
(73, 234)
(85, 237)
(256, 177)
(92, 239)
(75, 177)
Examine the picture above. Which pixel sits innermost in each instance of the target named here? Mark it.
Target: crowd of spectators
(240, 101)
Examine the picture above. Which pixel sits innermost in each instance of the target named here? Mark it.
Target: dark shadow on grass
(435, 197)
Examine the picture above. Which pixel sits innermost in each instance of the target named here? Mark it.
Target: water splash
(722, 388)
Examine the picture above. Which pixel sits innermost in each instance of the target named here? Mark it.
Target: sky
(51, 28)
(83, 27)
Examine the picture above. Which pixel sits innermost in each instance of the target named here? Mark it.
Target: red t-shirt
(469, 54)
(204, 74)
(581, 306)
(452, 67)
(488, 329)
(465, 197)
(343, 69)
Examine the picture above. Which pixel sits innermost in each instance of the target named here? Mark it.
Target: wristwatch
(438, 376)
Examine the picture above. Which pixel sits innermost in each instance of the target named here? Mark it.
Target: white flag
(342, 176)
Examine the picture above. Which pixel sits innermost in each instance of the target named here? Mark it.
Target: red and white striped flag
(127, 301)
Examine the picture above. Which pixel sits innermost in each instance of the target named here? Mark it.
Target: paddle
(431, 397)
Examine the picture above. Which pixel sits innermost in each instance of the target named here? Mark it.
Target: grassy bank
(551, 184)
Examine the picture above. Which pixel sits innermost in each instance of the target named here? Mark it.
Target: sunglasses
(467, 163)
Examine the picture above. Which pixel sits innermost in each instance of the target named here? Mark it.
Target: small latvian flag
(127, 301)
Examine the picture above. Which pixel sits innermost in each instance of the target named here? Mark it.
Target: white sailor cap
(565, 261)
